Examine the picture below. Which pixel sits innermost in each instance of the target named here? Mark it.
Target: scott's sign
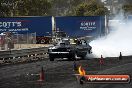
(10, 24)
(13, 26)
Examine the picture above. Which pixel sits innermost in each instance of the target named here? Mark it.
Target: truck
(26, 26)
(81, 26)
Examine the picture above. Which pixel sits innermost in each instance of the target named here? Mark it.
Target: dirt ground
(60, 73)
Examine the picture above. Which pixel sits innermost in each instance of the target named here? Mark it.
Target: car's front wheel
(83, 56)
(51, 57)
(72, 56)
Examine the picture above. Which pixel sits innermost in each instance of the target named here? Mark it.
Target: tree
(101, 11)
(4, 10)
(128, 1)
(64, 7)
(127, 9)
(52, 7)
(59, 7)
(33, 7)
(81, 9)
(93, 8)
(27, 7)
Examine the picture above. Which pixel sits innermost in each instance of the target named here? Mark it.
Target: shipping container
(80, 26)
(23, 25)
(129, 18)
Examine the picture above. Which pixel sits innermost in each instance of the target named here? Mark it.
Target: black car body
(69, 51)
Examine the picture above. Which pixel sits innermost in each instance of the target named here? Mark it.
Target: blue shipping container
(41, 25)
(81, 25)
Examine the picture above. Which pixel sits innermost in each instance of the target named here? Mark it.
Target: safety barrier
(23, 55)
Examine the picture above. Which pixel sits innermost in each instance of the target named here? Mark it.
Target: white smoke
(119, 40)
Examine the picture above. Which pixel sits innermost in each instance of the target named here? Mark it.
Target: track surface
(60, 73)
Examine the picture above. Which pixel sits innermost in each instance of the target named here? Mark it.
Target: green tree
(127, 9)
(128, 1)
(27, 7)
(33, 7)
(64, 7)
(81, 9)
(93, 8)
(4, 10)
(59, 7)
(101, 11)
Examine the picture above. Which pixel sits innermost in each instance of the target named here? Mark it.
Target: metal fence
(29, 38)
(7, 40)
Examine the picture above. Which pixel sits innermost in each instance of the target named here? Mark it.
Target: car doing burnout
(64, 50)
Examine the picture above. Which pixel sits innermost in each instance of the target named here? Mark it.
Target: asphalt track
(60, 73)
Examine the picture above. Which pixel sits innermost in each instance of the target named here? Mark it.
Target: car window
(84, 42)
(62, 44)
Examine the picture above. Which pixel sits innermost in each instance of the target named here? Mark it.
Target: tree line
(9, 8)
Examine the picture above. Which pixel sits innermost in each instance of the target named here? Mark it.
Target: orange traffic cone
(41, 75)
(120, 57)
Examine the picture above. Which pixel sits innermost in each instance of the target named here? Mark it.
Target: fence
(7, 40)
(29, 38)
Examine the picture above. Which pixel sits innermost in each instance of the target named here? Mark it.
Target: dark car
(61, 51)
(69, 51)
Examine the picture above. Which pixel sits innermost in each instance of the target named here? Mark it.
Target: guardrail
(23, 55)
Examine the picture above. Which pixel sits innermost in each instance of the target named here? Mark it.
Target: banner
(41, 25)
(81, 25)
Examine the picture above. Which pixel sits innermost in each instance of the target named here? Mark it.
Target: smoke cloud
(118, 40)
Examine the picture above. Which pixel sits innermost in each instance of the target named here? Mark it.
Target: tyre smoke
(118, 40)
